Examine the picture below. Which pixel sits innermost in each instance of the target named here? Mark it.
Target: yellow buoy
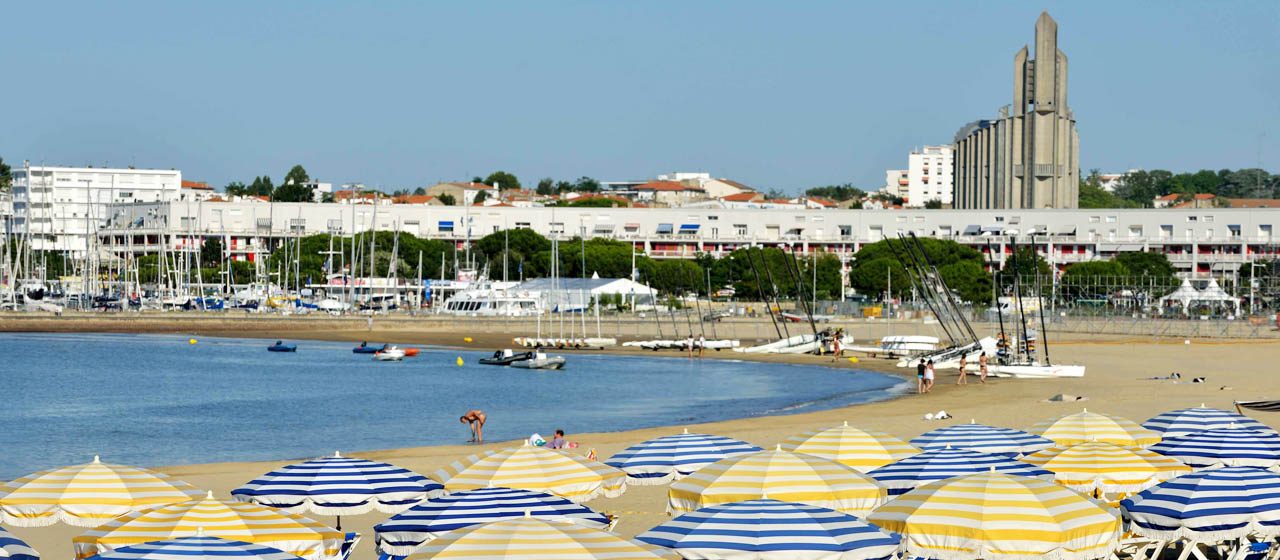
(853, 360)
(192, 341)
(459, 360)
(466, 339)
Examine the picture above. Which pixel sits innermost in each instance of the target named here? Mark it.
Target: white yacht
(492, 300)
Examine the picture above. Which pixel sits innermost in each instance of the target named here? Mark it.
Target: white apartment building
(58, 208)
(1200, 243)
(927, 177)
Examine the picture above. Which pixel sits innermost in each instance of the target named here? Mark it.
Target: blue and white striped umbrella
(905, 475)
(1191, 420)
(194, 548)
(1229, 447)
(339, 486)
(668, 458)
(767, 529)
(11, 548)
(400, 535)
(1208, 506)
(980, 437)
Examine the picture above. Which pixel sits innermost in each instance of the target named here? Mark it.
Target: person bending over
(475, 418)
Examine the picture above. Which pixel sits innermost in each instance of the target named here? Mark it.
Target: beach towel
(537, 440)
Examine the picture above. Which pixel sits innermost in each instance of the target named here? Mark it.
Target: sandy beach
(1115, 384)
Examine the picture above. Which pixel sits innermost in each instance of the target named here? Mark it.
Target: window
(713, 217)
(917, 219)
(846, 231)
(1208, 218)
(557, 227)
(1234, 230)
(1111, 219)
(999, 219)
(1191, 218)
(741, 228)
(298, 224)
(523, 225)
(1095, 219)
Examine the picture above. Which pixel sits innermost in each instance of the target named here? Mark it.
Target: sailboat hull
(1037, 372)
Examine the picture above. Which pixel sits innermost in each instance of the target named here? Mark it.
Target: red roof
(1169, 197)
(413, 199)
(743, 197)
(1205, 196)
(200, 185)
(215, 199)
(1254, 202)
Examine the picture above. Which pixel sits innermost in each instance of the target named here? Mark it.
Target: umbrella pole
(339, 517)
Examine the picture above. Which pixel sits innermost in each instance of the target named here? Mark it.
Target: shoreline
(1114, 383)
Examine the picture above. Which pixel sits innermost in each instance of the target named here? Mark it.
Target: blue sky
(774, 94)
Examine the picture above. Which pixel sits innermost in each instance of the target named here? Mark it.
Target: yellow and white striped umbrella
(778, 475)
(87, 494)
(999, 517)
(536, 538)
(1085, 426)
(1107, 468)
(228, 519)
(863, 450)
(528, 467)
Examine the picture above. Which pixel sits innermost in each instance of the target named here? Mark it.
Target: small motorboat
(410, 352)
(282, 347)
(364, 348)
(505, 358)
(389, 354)
(540, 361)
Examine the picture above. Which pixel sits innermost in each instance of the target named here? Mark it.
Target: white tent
(1214, 293)
(1183, 296)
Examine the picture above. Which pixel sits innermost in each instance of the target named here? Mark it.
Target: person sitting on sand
(556, 442)
(963, 380)
(475, 418)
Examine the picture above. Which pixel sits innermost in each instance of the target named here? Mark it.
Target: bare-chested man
(476, 419)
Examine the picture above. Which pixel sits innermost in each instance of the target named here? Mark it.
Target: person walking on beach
(928, 377)
(475, 418)
(702, 344)
(964, 380)
(982, 367)
(920, 377)
(556, 442)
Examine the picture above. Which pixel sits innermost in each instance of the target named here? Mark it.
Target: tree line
(1139, 189)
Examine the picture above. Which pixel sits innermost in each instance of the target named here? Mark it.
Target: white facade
(929, 176)
(1109, 181)
(896, 182)
(55, 207)
(319, 189)
(1199, 242)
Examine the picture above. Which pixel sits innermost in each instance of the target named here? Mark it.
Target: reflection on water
(157, 400)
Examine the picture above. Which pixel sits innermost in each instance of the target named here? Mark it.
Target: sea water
(153, 400)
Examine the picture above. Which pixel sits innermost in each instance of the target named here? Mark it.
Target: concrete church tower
(1030, 156)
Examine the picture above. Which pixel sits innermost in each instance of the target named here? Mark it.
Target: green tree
(933, 204)
(872, 277)
(523, 245)
(261, 186)
(1027, 264)
(546, 186)
(420, 191)
(586, 184)
(837, 192)
(295, 187)
(328, 198)
(1091, 280)
(447, 200)
(502, 179)
(481, 197)
(969, 280)
(594, 202)
(1140, 264)
(882, 258)
(236, 188)
(6, 177)
(211, 252)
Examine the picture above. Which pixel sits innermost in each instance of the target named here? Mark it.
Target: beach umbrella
(980, 437)
(1208, 506)
(532, 538)
(661, 460)
(1090, 426)
(12, 548)
(860, 449)
(87, 494)
(767, 529)
(1107, 468)
(401, 535)
(198, 547)
(339, 486)
(1190, 420)
(903, 476)
(782, 475)
(997, 516)
(1231, 447)
(535, 468)
(228, 519)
